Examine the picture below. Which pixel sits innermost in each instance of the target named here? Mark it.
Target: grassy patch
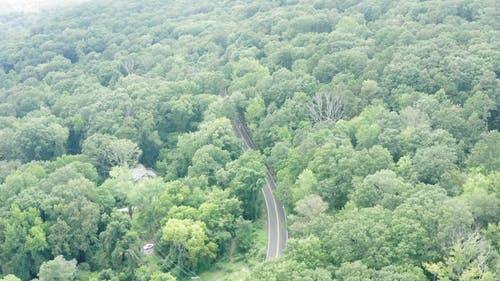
(224, 270)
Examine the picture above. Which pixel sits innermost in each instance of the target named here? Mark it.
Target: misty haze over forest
(258, 140)
(29, 6)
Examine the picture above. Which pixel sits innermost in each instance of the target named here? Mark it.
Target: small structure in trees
(148, 248)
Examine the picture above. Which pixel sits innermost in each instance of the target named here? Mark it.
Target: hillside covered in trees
(379, 118)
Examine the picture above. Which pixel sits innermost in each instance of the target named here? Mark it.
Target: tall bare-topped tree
(326, 106)
(129, 65)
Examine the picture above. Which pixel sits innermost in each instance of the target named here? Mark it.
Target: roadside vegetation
(379, 118)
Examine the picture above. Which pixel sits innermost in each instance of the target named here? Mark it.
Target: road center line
(277, 220)
(268, 224)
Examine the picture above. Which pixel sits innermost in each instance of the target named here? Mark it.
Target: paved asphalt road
(276, 218)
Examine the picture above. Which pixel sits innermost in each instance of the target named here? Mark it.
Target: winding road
(276, 219)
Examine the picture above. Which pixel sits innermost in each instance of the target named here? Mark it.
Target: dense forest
(379, 118)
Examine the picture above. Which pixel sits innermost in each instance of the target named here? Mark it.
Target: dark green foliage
(40, 139)
(105, 152)
(401, 185)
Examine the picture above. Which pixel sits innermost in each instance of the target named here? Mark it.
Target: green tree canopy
(58, 269)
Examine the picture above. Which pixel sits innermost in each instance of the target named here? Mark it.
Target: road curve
(276, 218)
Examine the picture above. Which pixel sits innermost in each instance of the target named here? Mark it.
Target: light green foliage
(390, 134)
(76, 163)
(383, 188)
(354, 271)
(360, 235)
(22, 235)
(370, 92)
(19, 181)
(40, 139)
(308, 251)
(480, 104)
(391, 191)
(281, 269)
(108, 275)
(482, 194)
(492, 232)
(7, 146)
(207, 161)
(428, 220)
(120, 245)
(245, 234)
(10, 277)
(221, 213)
(106, 151)
(305, 184)
(107, 73)
(379, 237)
(255, 111)
(183, 212)
(430, 163)
(148, 200)
(278, 125)
(414, 118)
(336, 166)
(175, 199)
(310, 211)
(247, 73)
(284, 85)
(245, 177)
(485, 153)
(366, 130)
(121, 186)
(188, 239)
(58, 269)
(357, 271)
(179, 112)
(75, 219)
(71, 208)
(407, 69)
(218, 134)
(161, 276)
(469, 259)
